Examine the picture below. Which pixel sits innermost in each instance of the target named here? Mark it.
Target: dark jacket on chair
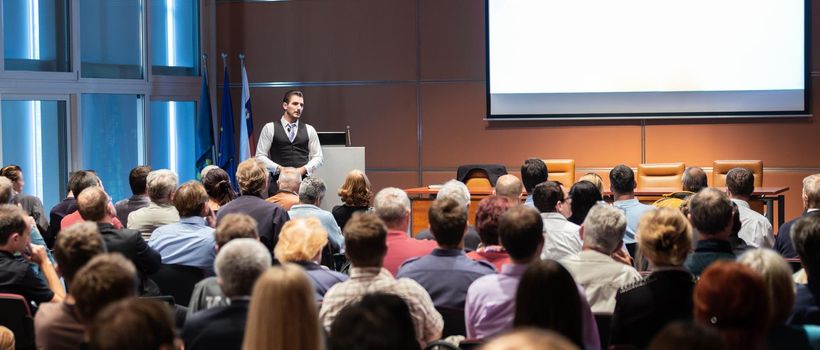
(131, 244)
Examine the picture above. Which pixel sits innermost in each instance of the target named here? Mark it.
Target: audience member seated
(510, 187)
(134, 324)
(76, 217)
(365, 239)
(282, 312)
(6, 339)
(687, 336)
(805, 234)
(692, 181)
(67, 206)
(710, 212)
(311, 194)
(377, 321)
(596, 180)
(104, 280)
(218, 185)
(732, 298)
(533, 172)
(94, 206)
(643, 308)
(584, 196)
(392, 206)
(355, 194)
(446, 272)
(7, 197)
(561, 237)
(457, 191)
(139, 199)
(31, 205)
(593, 268)
(161, 211)
(490, 305)
(238, 265)
(527, 338)
(301, 242)
(189, 242)
(755, 228)
(17, 275)
(622, 184)
(811, 207)
(253, 183)
(58, 325)
(486, 223)
(207, 293)
(288, 193)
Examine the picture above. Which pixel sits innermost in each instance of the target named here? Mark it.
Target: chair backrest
(453, 321)
(561, 170)
(16, 316)
(178, 281)
(721, 167)
(660, 175)
(478, 178)
(604, 322)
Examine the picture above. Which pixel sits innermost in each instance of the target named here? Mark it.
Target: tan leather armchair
(721, 167)
(561, 170)
(660, 175)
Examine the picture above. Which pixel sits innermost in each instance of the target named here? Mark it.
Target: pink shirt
(401, 247)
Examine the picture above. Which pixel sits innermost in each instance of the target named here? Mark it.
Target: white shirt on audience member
(561, 237)
(755, 229)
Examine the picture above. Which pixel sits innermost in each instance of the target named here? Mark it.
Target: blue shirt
(334, 233)
(189, 242)
(633, 209)
(446, 274)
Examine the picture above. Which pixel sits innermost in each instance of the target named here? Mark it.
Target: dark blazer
(221, 327)
(65, 207)
(131, 244)
(643, 308)
(269, 217)
(783, 241)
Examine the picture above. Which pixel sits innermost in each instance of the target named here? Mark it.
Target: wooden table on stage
(422, 197)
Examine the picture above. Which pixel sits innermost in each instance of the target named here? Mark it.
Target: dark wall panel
(452, 39)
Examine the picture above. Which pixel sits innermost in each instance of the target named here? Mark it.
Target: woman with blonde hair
(356, 195)
(282, 313)
(301, 242)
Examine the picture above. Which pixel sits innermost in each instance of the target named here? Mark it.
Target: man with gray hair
(457, 191)
(311, 193)
(811, 206)
(393, 206)
(160, 185)
(288, 194)
(239, 263)
(593, 268)
(711, 214)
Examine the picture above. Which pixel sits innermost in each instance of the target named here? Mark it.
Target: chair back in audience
(604, 322)
(478, 178)
(481, 176)
(660, 175)
(453, 321)
(561, 170)
(721, 167)
(16, 316)
(178, 281)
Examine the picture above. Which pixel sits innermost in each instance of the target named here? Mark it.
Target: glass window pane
(171, 137)
(35, 35)
(111, 39)
(34, 138)
(111, 144)
(174, 37)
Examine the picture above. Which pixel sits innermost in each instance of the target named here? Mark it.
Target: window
(171, 137)
(174, 37)
(111, 40)
(35, 35)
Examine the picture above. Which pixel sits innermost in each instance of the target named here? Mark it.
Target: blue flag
(204, 128)
(227, 145)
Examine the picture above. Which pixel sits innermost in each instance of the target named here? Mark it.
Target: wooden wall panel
(452, 39)
(382, 179)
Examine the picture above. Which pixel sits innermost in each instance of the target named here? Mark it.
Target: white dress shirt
(601, 276)
(755, 229)
(266, 138)
(561, 237)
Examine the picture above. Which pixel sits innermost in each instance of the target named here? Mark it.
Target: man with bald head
(693, 180)
(94, 205)
(509, 186)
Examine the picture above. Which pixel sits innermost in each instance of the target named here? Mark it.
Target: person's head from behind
(218, 185)
(105, 279)
(687, 336)
(811, 192)
(239, 263)
(530, 338)
(740, 182)
(603, 229)
(549, 197)
(6, 190)
(778, 278)
(377, 321)
(282, 313)
(595, 179)
(732, 298)
(355, 191)
(76, 246)
(289, 180)
(455, 190)
(138, 178)
(190, 199)
(312, 191)
(134, 324)
(82, 179)
(448, 222)
(15, 234)
(710, 212)
(15, 174)
(252, 177)
(301, 240)
(584, 196)
(94, 205)
(665, 237)
(487, 215)
(547, 298)
(520, 230)
(509, 186)
(365, 240)
(806, 241)
(161, 185)
(392, 206)
(233, 226)
(622, 180)
(694, 179)
(533, 172)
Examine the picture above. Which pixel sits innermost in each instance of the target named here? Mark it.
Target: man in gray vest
(289, 143)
